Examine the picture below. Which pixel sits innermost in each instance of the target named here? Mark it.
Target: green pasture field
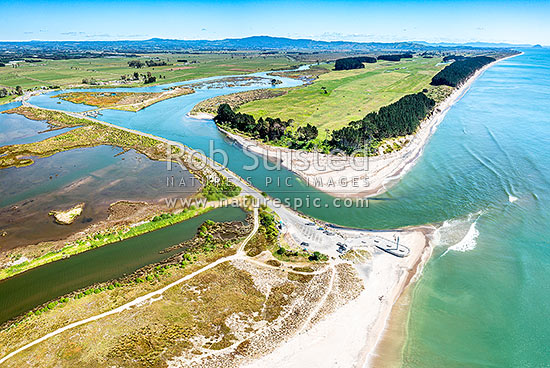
(350, 94)
(64, 73)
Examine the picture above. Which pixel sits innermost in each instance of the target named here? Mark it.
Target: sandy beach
(344, 176)
(351, 334)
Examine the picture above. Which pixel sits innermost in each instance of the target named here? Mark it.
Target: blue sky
(434, 21)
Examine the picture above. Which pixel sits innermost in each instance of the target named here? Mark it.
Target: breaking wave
(459, 235)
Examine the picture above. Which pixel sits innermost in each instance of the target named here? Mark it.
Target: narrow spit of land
(127, 101)
(379, 172)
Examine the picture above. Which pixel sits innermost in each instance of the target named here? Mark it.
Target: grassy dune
(351, 94)
(225, 307)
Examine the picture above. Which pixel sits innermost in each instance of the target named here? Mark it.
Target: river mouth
(96, 176)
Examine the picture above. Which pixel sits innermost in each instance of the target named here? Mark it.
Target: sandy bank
(67, 217)
(200, 116)
(359, 176)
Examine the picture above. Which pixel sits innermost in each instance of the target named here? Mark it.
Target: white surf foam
(469, 241)
(512, 199)
(459, 235)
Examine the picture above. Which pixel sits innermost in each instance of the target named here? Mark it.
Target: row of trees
(356, 62)
(458, 72)
(5, 92)
(353, 62)
(397, 119)
(147, 78)
(268, 129)
(136, 64)
(150, 63)
(395, 57)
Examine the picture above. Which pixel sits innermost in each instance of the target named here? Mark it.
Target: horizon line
(280, 37)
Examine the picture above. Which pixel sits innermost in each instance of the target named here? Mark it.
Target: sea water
(484, 297)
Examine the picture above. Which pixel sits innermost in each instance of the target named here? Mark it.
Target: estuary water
(17, 129)
(95, 176)
(485, 176)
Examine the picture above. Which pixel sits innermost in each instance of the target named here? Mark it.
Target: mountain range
(258, 43)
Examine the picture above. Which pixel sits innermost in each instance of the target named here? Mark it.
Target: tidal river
(485, 175)
(27, 290)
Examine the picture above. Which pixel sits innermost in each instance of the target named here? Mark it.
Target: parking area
(312, 236)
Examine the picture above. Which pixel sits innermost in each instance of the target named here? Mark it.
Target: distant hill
(278, 43)
(75, 49)
(247, 43)
(253, 43)
(474, 44)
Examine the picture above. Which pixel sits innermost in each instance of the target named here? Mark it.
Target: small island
(67, 217)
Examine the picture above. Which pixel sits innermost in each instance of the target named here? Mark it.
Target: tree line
(397, 119)
(357, 62)
(458, 72)
(395, 57)
(150, 63)
(353, 62)
(268, 129)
